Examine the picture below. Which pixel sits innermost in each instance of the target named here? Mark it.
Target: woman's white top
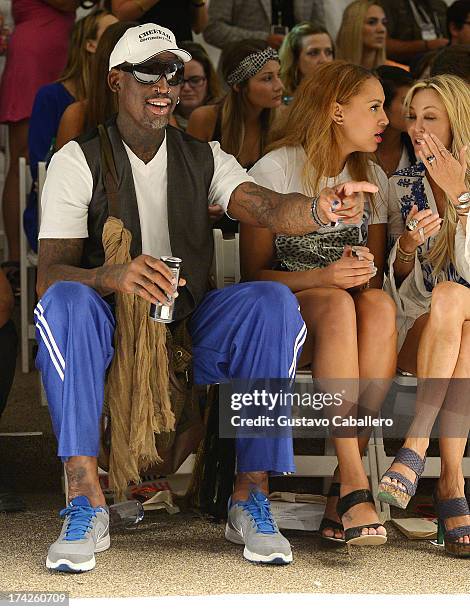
(282, 170)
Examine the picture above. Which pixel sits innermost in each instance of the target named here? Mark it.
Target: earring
(178, 100)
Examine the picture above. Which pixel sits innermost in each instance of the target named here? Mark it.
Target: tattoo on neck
(144, 143)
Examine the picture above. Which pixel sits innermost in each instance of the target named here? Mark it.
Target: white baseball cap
(141, 43)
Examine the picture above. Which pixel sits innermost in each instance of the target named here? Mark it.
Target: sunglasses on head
(151, 73)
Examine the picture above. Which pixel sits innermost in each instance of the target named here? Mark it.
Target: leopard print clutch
(317, 250)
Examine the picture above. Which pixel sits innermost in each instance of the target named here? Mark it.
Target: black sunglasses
(151, 73)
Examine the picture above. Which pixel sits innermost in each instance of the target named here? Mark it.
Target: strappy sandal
(449, 508)
(392, 494)
(327, 523)
(354, 535)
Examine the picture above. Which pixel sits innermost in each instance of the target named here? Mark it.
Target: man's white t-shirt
(282, 171)
(68, 190)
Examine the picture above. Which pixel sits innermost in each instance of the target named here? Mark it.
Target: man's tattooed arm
(146, 276)
(281, 213)
(59, 260)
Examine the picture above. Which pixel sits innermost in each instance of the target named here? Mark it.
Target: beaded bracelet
(315, 215)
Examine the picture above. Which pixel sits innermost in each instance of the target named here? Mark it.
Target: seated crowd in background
(52, 100)
(305, 47)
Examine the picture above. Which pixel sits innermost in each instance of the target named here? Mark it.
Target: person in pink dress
(36, 55)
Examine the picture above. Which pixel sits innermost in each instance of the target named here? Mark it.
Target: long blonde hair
(290, 51)
(310, 123)
(455, 95)
(349, 41)
(79, 59)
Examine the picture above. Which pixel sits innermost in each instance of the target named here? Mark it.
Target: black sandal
(327, 523)
(354, 535)
(449, 508)
(398, 496)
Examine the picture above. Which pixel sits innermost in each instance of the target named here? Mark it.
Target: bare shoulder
(202, 122)
(75, 111)
(72, 123)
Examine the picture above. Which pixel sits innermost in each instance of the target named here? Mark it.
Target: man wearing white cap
(164, 181)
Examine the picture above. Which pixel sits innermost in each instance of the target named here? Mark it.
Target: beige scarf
(137, 389)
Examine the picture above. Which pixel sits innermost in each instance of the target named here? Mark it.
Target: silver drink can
(163, 313)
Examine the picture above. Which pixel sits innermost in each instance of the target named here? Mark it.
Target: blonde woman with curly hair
(333, 128)
(304, 48)
(362, 36)
(429, 279)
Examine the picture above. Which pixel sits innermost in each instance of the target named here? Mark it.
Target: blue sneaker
(84, 532)
(252, 524)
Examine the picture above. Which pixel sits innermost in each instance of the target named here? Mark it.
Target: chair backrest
(226, 264)
(41, 179)
(25, 184)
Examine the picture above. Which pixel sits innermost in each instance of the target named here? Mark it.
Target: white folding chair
(41, 180)
(28, 263)
(226, 264)
(226, 270)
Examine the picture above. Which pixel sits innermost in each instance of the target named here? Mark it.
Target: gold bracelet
(403, 259)
(404, 256)
(141, 6)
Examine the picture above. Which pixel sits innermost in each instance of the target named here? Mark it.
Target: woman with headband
(333, 127)
(241, 122)
(429, 279)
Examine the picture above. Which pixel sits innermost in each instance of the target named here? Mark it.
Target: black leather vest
(190, 170)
